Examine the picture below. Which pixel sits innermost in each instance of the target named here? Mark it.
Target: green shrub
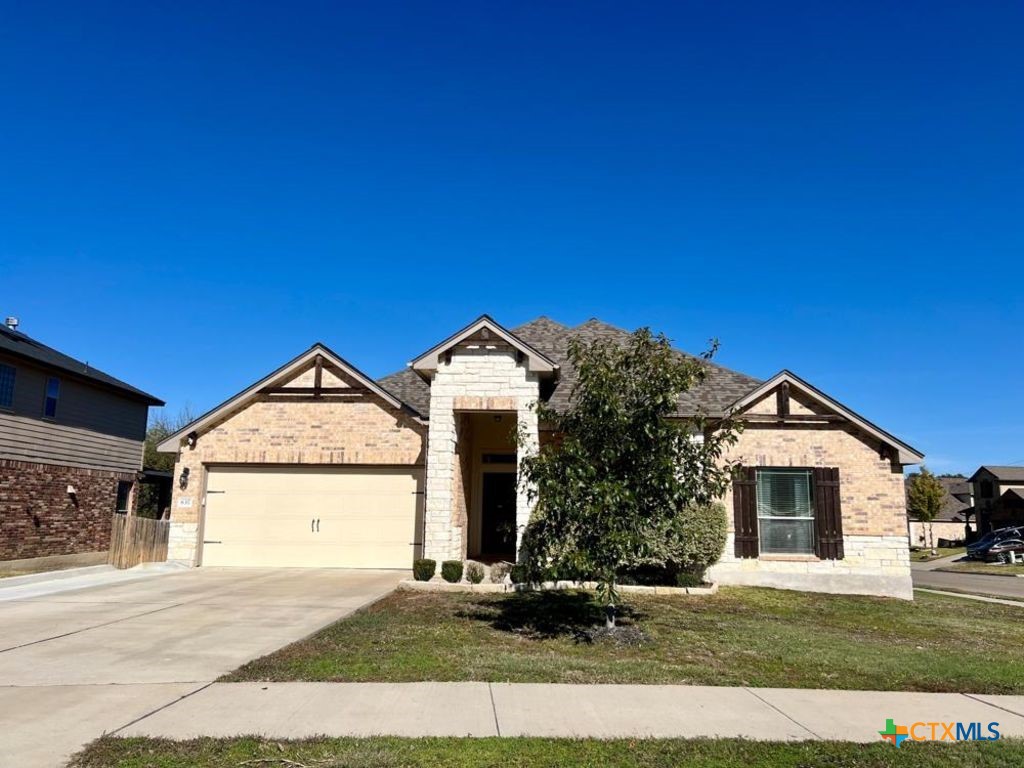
(424, 569)
(519, 574)
(648, 576)
(474, 573)
(451, 571)
(688, 579)
(499, 571)
(700, 539)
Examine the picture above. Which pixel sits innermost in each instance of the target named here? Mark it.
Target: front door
(498, 515)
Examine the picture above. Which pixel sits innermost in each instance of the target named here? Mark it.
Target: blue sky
(191, 194)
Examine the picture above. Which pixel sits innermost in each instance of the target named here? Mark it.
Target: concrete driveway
(77, 664)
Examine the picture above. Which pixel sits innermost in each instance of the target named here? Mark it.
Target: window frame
(14, 383)
(47, 398)
(812, 550)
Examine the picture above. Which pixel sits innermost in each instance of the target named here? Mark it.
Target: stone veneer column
(529, 431)
(472, 380)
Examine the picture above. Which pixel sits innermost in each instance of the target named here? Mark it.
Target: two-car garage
(313, 466)
(312, 517)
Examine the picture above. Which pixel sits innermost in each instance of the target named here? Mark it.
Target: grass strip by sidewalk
(538, 753)
(989, 569)
(741, 636)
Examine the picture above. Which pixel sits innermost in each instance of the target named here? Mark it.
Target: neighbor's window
(52, 395)
(986, 489)
(6, 385)
(785, 511)
(124, 490)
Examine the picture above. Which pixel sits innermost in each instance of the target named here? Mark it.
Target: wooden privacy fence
(135, 540)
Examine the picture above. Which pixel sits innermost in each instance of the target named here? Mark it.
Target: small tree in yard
(611, 489)
(924, 501)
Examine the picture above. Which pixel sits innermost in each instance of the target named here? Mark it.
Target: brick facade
(38, 518)
(491, 377)
(287, 429)
(877, 557)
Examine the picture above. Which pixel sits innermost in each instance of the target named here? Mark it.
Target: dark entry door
(498, 502)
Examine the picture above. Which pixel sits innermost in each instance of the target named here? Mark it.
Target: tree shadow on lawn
(547, 615)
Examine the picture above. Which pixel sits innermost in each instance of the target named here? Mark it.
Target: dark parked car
(1000, 551)
(997, 545)
(976, 549)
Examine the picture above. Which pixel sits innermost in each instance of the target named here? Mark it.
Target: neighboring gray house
(71, 443)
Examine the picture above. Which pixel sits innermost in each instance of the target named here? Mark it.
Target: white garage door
(313, 517)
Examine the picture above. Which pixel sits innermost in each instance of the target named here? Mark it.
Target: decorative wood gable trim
(316, 356)
(477, 334)
(785, 383)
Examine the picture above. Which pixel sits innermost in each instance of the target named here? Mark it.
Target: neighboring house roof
(1014, 494)
(953, 509)
(20, 345)
(1003, 474)
(282, 374)
(711, 397)
(907, 454)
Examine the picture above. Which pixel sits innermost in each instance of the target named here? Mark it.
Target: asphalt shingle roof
(17, 343)
(719, 390)
(1006, 474)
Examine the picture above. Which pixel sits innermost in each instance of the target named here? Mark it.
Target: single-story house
(952, 522)
(318, 464)
(71, 446)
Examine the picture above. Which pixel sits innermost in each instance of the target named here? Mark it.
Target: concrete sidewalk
(298, 710)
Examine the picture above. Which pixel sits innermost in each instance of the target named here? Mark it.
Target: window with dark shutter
(785, 511)
(744, 503)
(828, 514)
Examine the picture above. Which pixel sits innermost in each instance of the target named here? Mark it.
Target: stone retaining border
(438, 585)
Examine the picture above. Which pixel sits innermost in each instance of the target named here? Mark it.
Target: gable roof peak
(426, 363)
(906, 453)
(172, 443)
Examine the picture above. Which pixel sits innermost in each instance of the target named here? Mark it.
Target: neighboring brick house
(998, 496)
(71, 442)
(954, 519)
(318, 464)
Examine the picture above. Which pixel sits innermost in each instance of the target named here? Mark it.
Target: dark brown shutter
(828, 514)
(744, 504)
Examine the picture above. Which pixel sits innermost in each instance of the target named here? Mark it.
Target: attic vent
(12, 323)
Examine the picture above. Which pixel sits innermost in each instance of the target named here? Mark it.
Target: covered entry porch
(486, 479)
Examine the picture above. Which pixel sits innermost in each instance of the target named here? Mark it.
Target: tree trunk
(931, 538)
(609, 616)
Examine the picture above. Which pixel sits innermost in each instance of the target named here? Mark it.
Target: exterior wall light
(190, 439)
(183, 479)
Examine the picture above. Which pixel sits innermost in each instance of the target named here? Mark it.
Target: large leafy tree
(609, 491)
(925, 495)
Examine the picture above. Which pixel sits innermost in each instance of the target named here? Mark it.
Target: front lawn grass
(924, 555)
(538, 753)
(741, 636)
(994, 569)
